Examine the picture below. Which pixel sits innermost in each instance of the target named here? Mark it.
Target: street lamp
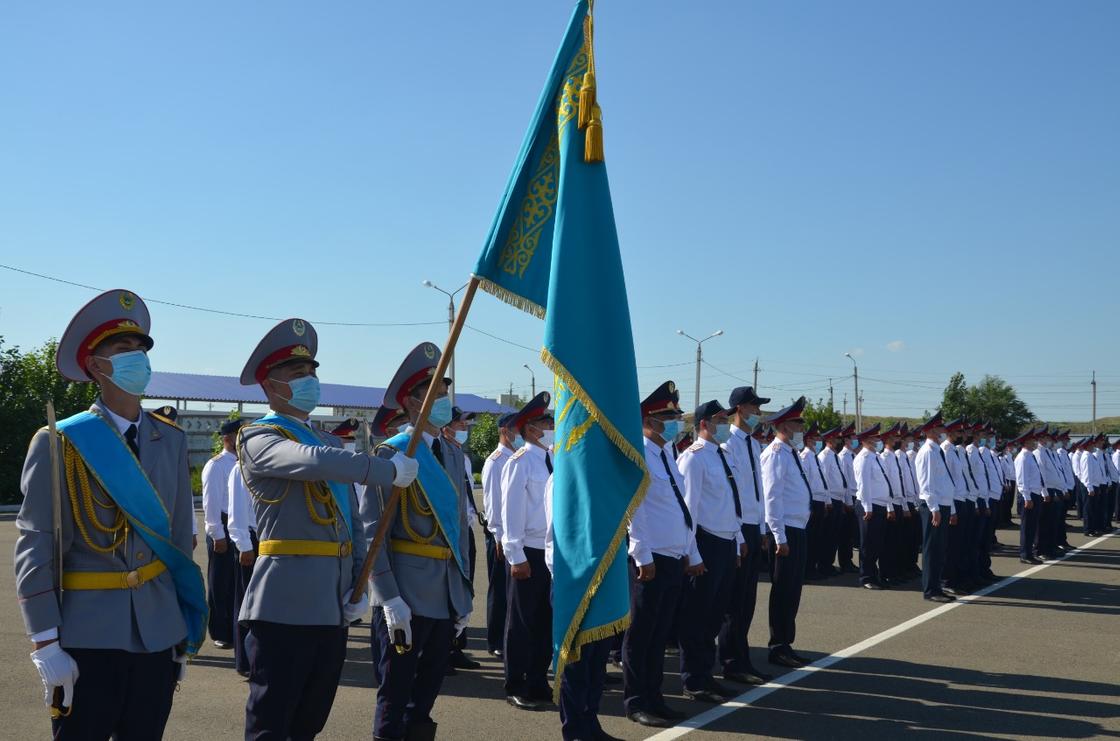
(855, 375)
(533, 377)
(699, 358)
(450, 324)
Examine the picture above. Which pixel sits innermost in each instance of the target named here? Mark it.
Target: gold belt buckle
(133, 579)
(344, 549)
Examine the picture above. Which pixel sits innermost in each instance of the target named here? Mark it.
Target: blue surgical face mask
(131, 371)
(752, 421)
(818, 446)
(441, 412)
(798, 440)
(879, 446)
(854, 444)
(518, 442)
(461, 436)
(909, 446)
(547, 437)
(722, 433)
(305, 393)
(673, 428)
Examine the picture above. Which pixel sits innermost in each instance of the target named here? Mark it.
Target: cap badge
(301, 351)
(127, 300)
(672, 387)
(429, 351)
(298, 327)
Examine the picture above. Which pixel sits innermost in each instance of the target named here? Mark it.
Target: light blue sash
(340, 492)
(118, 472)
(442, 494)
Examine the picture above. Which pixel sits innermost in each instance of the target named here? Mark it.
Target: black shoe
(460, 660)
(496, 653)
(612, 679)
(813, 576)
(873, 585)
(421, 731)
(450, 671)
(665, 711)
(784, 659)
(831, 571)
(798, 657)
(225, 645)
(743, 677)
(643, 718)
(849, 569)
(542, 695)
(705, 695)
(523, 703)
(940, 598)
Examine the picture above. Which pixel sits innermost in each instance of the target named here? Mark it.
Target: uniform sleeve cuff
(50, 634)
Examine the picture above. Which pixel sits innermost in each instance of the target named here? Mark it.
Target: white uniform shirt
(242, 515)
(993, 472)
(956, 469)
(892, 467)
(871, 481)
(1065, 466)
(935, 479)
(1085, 473)
(707, 491)
(741, 449)
(1113, 473)
(847, 460)
(658, 525)
(548, 524)
(785, 491)
(1008, 462)
(492, 488)
(1028, 476)
(1048, 464)
(818, 485)
(974, 466)
(833, 475)
(523, 517)
(215, 492)
(909, 481)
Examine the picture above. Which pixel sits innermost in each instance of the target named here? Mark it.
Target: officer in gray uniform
(297, 604)
(112, 636)
(419, 579)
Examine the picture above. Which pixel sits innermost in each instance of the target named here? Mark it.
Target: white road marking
(795, 676)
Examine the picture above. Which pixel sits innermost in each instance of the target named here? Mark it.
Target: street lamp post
(699, 359)
(855, 375)
(533, 379)
(450, 323)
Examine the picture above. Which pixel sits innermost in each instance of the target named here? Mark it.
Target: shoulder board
(495, 455)
(164, 419)
(694, 447)
(518, 454)
(379, 446)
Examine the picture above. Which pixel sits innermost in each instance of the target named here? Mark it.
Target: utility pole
(532, 376)
(756, 375)
(1093, 383)
(699, 359)
(830, 398)
(450, 323)
(844, 415)
(858, 398)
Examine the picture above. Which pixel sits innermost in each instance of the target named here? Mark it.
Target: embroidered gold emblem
(298, 327)
(127, 300)
(430, 353)
(672, 387)
(301, 351)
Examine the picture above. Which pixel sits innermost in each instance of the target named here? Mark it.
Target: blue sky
(811, 177)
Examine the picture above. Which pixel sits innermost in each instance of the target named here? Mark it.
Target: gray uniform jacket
(301, 590)
(141, 620)
(430, 587)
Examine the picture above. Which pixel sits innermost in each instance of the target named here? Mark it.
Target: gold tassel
(586, 98)
(593, 137)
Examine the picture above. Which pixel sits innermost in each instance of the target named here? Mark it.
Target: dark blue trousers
(241, 577)
(581, 689)
(734, 652)
(935, 542)
(1095, 503)
(833, 528)
(964, 557)
(120, 694)
(410, 682)
(980, 561)
(1028, 527)
(872, 537)
(787, 576)
(704, 602)
(219, 587)
(497, 570)
(293, 677)
(528, 646)
(1046, 541)
(653, 606)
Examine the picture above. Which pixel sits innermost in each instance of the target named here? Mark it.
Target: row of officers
(116, 607)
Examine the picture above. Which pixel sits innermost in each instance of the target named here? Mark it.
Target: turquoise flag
(553, 251)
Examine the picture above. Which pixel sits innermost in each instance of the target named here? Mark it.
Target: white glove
(57, 669)
(180, 658)
(352, 612)
(407, 468)
(398, 616)
(462, 623)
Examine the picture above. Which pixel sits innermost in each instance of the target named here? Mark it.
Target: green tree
(992, 400)
(821, 413)
(27, 380)
(483, 438)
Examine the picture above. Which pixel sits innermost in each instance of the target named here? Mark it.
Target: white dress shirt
(956, 470)
(935, 478)
(847, 459)
(1028, 476)
(818, 484)
(242, 516)
(1008, 462)
(833, 475)
(975, 468)
(993, 472)
(492, 488)
(909, 481)
(871, 481)
(785, 491)
(1087, 474)
(741, 449)
(658, 525)
(892, 467)
(1051, 477)
(523, 518)
(1065, 466)
(708, 492)
(215, 492)
(548, 524)
(1113, 473)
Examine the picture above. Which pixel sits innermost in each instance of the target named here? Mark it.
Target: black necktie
(130, 437)
(801, 470)
(840, 468)
(941, 451)
(890, 489)
(971, 475)
(819, 471)
(754, 468)
(987, 476)
(957, 453)
(910, 468)
(548, 461)
(676, 491)
(731, 480)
